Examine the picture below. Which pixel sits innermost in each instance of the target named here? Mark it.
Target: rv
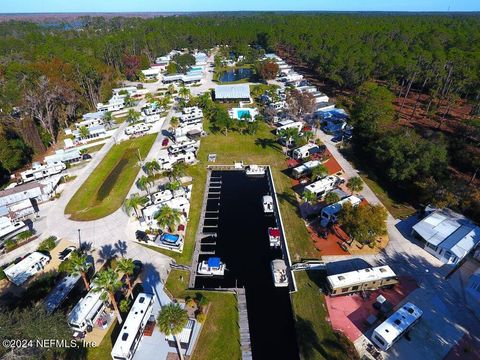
(38, 172)
(329, 213)
(10, 228)
(360, 280)
(305, 169)
(132, 329)
(58, 295)
(305, 151)
(166, 160)
(20, 272)
(392, 329)
(87, 311)
(321, 187)
(137, 129)
(293, 125)
(183, 146)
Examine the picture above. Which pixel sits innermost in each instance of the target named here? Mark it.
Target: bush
(10, 244)
(201, 299)
(24, 235)
(191, 303)
(48, 244)
(2, 274)
(201, 317)
(64, 266)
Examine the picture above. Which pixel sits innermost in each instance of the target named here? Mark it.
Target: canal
(235, 214)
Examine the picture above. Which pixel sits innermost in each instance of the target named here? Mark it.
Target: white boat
(213, 267)
(279, 272)
(254, 170)
(274, 236)
(267, 204)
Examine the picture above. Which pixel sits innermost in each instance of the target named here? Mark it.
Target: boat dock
(245, 343)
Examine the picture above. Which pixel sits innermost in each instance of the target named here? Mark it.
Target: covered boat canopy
(213, 262)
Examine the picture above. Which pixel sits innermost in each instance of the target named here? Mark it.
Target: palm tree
(152, 167)
(135, 201)
(144, 183)
(171, 321)
(355, 184)
(108, 119)
(184, 92)
(319, 171)
(178, 170)
(107, 280)
(128, 101)
(167, 217)
(79, 265)
(331, 198)
(133, 116)
(83, 132)
(309, 196)
(171, 89)
(174, 122)
(150, 98)
(126, 266)
(172, 186)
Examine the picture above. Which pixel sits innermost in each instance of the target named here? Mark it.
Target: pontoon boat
(213, 266)
(279, 272)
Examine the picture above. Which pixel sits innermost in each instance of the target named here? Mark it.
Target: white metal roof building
(352, 278)
(20, 272)
(385, 335)
(64, 155)
(449, 236)
(232, 92)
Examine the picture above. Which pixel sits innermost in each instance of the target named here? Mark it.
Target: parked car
(165, 142)
(337, 138)
(142, 236)
(66, 253)
(86, 157)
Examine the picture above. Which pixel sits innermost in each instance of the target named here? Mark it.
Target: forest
(52, 73)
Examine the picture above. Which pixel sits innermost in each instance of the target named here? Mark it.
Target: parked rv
(22, 271)
(323, 186)
(306, 150)
(305, 169)
(329, 213)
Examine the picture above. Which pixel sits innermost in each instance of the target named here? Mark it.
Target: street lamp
(79, 241)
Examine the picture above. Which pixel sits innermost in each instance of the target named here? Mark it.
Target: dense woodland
(51, 74)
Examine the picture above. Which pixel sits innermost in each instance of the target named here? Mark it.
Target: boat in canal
(267, 204)
(212, 266)
(279, 272)
(274, 237)
(255, 170)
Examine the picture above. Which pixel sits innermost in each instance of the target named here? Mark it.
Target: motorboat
(267, 204)
(255, 170)
(212, 266)
(279, 272)
(274, 236)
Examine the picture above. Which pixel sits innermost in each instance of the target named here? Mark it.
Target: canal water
(235, 75)
(242, 244)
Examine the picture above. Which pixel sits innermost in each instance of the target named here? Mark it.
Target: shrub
(191, 303)
(124, 306)
(24, 235)
(201, 317)
(10, 244)
(48, 244)
(65, 266)
(201, 299)
(2, 274)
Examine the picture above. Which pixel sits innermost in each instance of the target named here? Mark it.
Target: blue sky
(25, 6)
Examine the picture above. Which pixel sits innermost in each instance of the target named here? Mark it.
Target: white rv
(57, 296)
(305, 151)
(305, 169)
(183, 146)
(132, 329)
(293, 125)
(167, 160)
(329, 213)
(392, 329)
(38, 171)
(10, 228)
(20, 272)
(323, 186)
(136, 129)
(83, 316)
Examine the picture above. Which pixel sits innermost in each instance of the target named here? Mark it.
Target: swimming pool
(242, 113)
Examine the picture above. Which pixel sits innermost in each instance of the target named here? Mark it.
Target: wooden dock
(244, 329)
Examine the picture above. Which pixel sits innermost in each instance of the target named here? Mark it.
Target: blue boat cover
(170, 238)
(214, 262)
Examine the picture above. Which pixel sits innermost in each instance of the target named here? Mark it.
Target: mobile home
(321, 187)
(329, 213)
(392, 329)
(132, 329)
(360, 280)
(20, 272)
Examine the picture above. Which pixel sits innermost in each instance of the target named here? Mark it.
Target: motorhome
(329, 213)
(360, 280)
(38, 171)
(87, 311)
(22, 271)
(323, 186)
(305, 151)
(137, 129)
(9, 228)
(166, 160)
(392, 329)
(58, 295)
(293, 125)
(114, 104)
(132, 329)
(305, 169)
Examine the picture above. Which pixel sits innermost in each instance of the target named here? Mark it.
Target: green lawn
(94, 148)
(316, 338)
(220, 337)
(105, 189)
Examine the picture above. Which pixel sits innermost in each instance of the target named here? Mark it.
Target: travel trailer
(305, 169)
(329, 213)
(10, 228)
(392, 329)
(132, 329)
(305, 151)
(293, 125)
(137, 129)
(22, 271)
(38, 171)
(88, 310)
(323, 186)
(360, 280)
(58, 295)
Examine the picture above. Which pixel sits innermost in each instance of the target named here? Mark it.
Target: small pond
(235, 75)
